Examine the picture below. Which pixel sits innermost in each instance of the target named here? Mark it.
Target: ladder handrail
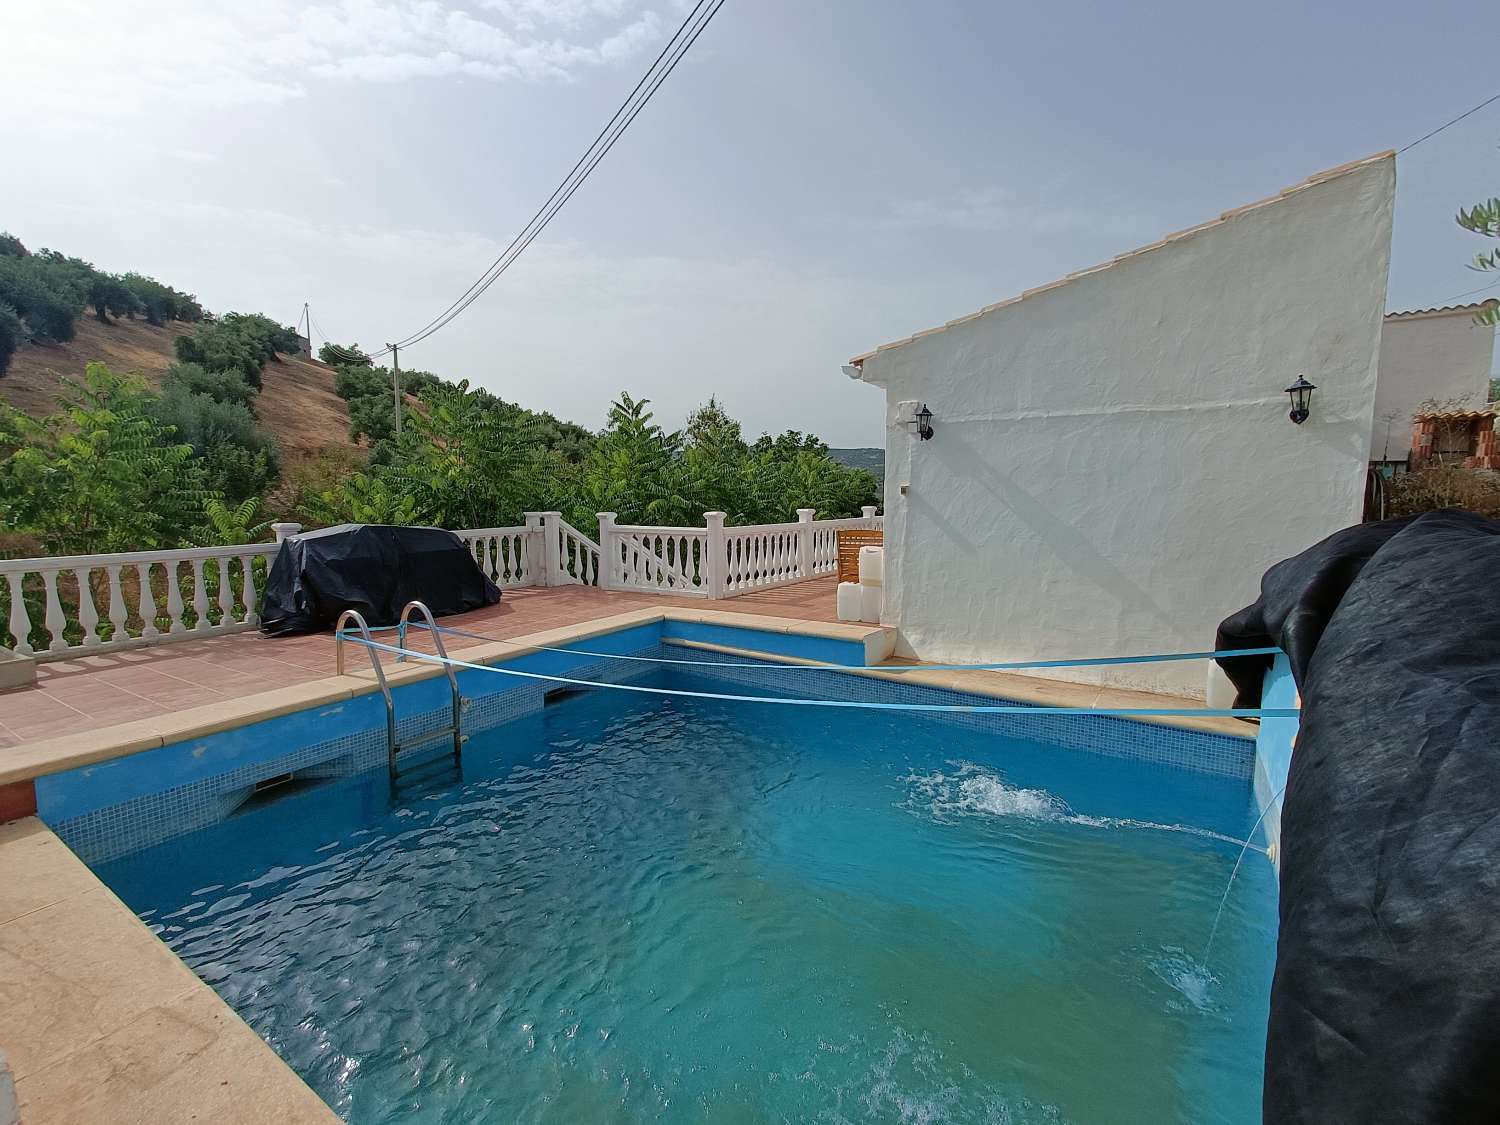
(385, 688)
(392, 742)
(442, 651)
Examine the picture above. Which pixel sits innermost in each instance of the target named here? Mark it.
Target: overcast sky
(817, 177)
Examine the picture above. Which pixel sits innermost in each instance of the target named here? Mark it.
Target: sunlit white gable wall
(1440, 356)
(1113, 467)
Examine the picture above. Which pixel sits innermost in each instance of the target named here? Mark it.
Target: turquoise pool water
(633, 908)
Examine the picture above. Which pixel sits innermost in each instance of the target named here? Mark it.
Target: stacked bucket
(863, 600)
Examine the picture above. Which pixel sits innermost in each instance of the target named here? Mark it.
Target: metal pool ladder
(393, 743)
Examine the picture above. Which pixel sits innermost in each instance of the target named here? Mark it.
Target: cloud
(70, 57)
(1000, 211)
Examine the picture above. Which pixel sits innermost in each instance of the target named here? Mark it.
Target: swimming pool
(639, 908)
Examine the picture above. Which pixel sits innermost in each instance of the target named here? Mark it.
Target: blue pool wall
(1273, 747)
(113, 808)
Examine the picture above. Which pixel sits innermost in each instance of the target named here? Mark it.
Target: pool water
(640, 908)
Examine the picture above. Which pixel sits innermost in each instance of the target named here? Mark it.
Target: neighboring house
(1111, 467)
(1465, 438)
(1433, 359)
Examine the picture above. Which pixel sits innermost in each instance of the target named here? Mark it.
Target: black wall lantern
(923, 421)
(1300, 393)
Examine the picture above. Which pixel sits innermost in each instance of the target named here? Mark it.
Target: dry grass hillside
(297, 402)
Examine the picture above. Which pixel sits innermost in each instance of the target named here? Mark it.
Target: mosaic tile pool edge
(149, 818)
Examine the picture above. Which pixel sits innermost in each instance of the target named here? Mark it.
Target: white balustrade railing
(715, 561)
(503, 553)
(576, 562)
(658, 560)
(76, 605)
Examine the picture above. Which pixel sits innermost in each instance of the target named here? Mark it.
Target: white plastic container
(872, 566)
(871, 602)
(1218, 689)
(849, 602)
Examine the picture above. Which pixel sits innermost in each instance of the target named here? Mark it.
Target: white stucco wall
(1430, 355)
(1113, 467)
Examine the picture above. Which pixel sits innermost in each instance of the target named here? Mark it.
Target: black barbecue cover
(1385, 1006)
(373, 568)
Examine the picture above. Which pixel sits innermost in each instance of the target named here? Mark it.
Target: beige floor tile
(191, 1059)
(38, 868)
(76, 970)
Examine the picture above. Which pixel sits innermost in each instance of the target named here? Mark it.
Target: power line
(678, 46)
(1446, 124)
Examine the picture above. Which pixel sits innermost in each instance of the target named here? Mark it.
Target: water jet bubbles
(1191, 981)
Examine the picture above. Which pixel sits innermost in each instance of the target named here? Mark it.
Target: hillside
(868, 458)
(297, 402)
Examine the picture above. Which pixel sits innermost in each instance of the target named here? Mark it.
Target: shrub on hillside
(341, 355)
(221, 386)
(47, 297)
(1445, 486)
(161, 303)
(12, 332)
(238, 342)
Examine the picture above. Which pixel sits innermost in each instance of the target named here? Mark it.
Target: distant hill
(297, 403)
(866, 458)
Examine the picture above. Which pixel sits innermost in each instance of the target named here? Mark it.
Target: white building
(1426, 356)
(1112, 467)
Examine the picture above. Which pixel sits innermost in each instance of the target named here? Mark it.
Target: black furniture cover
(1385, 1004)
(373, 568)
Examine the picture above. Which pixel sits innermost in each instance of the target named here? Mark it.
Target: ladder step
(425, 737)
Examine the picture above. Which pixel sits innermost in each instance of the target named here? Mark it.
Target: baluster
(200, 598)
(20, 622)
(55, 621)
(226, 594)
(494, 554)
(174, 599)
(148, 602)
(88, 613)
(247, 591)
(117, 611)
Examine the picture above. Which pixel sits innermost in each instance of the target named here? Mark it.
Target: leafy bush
(221, 386)
(47, 296)
(1445, 486)
(12, 332)
(238, 458)
(161, 303)
(341, 355)
(238, 342)
(101, 475)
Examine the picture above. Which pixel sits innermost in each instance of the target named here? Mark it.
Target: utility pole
(396, 383)
(307, 317)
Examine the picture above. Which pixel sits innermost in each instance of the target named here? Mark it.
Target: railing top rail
(653, 529)
(758, 528)
(127, 558)
(519, 530)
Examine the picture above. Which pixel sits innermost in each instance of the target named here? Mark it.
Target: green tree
(100, 475)
(12, 332)
(226, 526)
(221, 386)
(362, 498)
(342, 355)
(632, 471)
(1484, 219)
(48, 298)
